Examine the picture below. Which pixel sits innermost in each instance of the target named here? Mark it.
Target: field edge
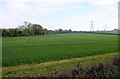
(33, 69)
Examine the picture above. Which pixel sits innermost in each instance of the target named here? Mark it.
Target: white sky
(55, 14)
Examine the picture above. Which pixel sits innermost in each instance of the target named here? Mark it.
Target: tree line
(60, 31)
(28, 29)
(24, 30)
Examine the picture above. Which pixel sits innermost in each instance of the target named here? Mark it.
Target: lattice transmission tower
(92, 26)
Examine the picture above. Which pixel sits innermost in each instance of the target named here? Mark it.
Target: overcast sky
(55, 14)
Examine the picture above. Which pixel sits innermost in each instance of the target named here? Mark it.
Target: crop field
(50, 68)
(39, 49)
(111, 32)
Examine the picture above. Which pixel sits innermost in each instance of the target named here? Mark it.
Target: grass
(39, 49)
(50, 67)
(111, 32)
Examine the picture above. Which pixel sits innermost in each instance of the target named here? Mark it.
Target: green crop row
(38, 49)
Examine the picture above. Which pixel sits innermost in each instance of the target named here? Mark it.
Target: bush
(100, 71)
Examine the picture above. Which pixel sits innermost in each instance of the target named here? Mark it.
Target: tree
(60, 30)
(70, 30)
(38, 29)
(25, 30)
(45, 31)
(4, 32)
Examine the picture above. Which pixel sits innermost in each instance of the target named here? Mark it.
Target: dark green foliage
(61, 31)
(101, 71)
(25, 30)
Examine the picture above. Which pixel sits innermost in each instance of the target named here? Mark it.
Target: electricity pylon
(92, 26)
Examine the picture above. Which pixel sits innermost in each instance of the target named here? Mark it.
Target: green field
(50, 68)
(38, 49)
(109, 32)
